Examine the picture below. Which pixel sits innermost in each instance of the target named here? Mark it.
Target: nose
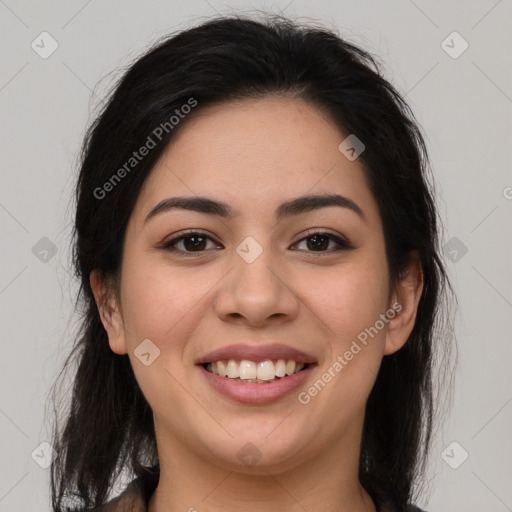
(257, 293)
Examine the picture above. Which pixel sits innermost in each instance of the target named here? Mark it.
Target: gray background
(464, 105)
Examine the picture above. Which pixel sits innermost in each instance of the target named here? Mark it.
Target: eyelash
(168, 246)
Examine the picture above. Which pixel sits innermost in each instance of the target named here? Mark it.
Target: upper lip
(256, 353)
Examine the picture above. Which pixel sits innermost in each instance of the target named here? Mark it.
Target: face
(257, 279)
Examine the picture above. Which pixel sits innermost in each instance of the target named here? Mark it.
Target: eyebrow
(289, 208)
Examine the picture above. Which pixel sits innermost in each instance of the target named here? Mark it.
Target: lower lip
(252, 393)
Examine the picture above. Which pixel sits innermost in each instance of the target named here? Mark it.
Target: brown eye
(319, 241)
(193, 242)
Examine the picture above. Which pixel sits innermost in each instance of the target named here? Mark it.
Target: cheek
(161, 303)
(350, 308)
(349, 299)
(356, 302)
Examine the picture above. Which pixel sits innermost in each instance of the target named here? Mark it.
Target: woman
(257, 244)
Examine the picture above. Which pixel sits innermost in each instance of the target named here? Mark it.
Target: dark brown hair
(108, 425)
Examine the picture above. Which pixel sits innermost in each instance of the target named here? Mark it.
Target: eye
(194, 243)
(317, 241)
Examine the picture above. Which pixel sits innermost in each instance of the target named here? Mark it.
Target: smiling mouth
(250, 372)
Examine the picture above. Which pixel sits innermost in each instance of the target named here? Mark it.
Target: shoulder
(131, 499)
(414, 508)
(134, 498)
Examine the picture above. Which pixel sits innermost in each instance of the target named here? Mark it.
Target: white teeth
(221, 367)
(290, 367)
(263, 371)
(247, 370)
(280, 368)
(232, 369)
(266, 370)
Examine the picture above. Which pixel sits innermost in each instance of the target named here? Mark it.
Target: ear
(109, 311)
(404, 303)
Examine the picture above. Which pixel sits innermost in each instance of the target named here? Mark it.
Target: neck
(327, 482)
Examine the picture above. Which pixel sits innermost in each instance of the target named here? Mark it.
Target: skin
(254, 155)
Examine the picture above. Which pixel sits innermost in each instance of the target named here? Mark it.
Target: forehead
(255, 154)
